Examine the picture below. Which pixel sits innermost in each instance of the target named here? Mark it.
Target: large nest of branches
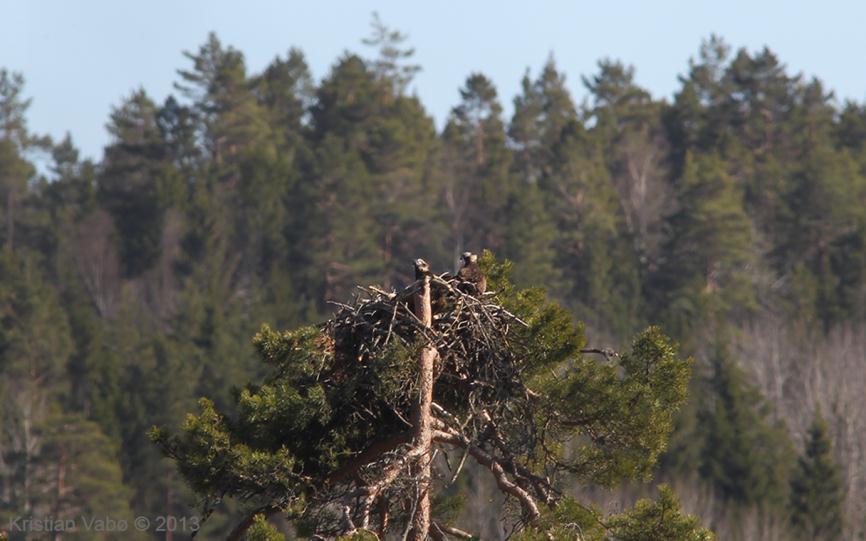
(478, 354)
(482, 353)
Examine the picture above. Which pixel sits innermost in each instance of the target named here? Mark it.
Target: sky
(80, 58)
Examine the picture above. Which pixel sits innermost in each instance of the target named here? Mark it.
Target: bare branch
(527, 502)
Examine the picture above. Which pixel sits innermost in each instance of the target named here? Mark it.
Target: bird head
(468, 257)
(421, 266)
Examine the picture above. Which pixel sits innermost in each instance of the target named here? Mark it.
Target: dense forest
(733, 215)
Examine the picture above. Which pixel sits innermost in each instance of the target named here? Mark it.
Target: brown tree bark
(60, 490)
(422, 418)
(418, 457)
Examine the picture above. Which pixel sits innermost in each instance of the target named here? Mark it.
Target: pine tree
(602, 278)
(262, 531)
(698, 121)
(530, 239)
(817, 493)
(849, 131)
(143, 359)
(391, 65)
(134, 185)
(626, 124)
(821, 226)
(285, 89)
(82, 477)
(15, 170)
(542, 111)
(300, 419)
(13, 108)
(34, 348)
(708, 253)
(373, 154)
(230, 119)
(475, 161)
(650, 521)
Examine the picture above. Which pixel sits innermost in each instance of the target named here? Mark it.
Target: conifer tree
(603, 279)
(698, 119)
(475, 162)
(15, 171)
(296, 447)
(391, 66)
(373, 152)
(230, 118)
(133, 185)
(142, 357)
(821, 227)
(285, 89)
(130, 285)
(541, 112)
(626, 123)
(849, 132)
(34, 348)
(13, 108)
(82, 478)
(817, 494)
(530, 239)
(744, 453)
(707, 255)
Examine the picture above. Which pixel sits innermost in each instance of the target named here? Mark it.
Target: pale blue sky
(81, 57)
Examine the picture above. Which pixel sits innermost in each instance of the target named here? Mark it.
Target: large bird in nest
(422, 269)
(471, 273)
(469, 279)
(438, 295)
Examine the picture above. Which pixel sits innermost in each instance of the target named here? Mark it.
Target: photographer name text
(168, 523)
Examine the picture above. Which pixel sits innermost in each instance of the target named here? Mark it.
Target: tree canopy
(328, 434)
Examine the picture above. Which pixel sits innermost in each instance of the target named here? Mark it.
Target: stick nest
(472, 333)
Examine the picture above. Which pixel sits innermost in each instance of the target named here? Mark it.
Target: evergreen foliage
(312, 417)
(817, 494)
(745, 454)
(130, 284)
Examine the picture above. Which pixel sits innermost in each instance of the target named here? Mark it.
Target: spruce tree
(744, 453)
(817, 493)
(821, 229)
(697, 120)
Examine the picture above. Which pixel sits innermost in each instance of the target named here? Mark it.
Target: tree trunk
(60, 490)
(10, 220)
(169, 511)
(422, 419)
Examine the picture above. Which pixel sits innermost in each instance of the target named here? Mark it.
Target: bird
(437, 299)
(471, 272)
(422, 269)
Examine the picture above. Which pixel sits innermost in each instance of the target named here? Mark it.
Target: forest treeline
(732, 214)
